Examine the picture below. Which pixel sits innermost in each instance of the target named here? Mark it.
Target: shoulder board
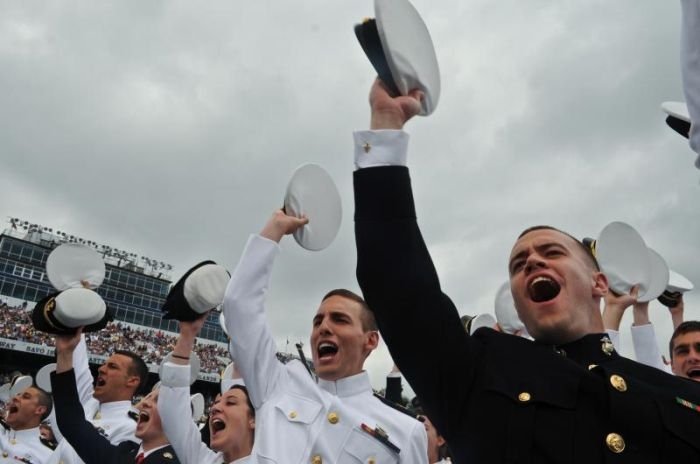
(396, 406)
(4, 424)
(133, 415)
(47, 443)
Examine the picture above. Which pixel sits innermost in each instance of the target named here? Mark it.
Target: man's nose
(534, 261)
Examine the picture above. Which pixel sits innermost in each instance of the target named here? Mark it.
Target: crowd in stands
(150, 344)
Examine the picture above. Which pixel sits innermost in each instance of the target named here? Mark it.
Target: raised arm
(70, 416)
(252, 344)
(419, 323)
(174, 400)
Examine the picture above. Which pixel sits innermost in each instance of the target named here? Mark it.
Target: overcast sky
(170, 129)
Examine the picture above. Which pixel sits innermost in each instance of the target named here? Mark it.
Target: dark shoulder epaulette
(398, 407)
(4, 424)
(134, 415)
(48, 443)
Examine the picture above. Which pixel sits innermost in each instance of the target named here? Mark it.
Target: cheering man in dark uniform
(567, 397)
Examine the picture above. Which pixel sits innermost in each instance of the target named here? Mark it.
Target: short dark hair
(586, 250)
(44, 399)
(682, 329)
(137, 368)
(366, 315)
(247, 397)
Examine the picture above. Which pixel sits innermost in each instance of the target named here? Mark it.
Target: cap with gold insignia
(312, 193)
(194, 366)
(506, 314)
(65, 312)
(398, 44)
(43, 377)
(623, 257)
(677, 285)
(75, 266)
(201, 289)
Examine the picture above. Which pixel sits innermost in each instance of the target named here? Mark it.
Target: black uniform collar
(590, 349)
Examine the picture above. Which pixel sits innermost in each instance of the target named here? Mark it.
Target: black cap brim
(176, 305)
(679, 125)
(368, 36)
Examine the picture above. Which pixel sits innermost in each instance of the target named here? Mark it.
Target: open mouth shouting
(14, 409)
(694, 373)
(100, 382)
(144, 417)
(543, 288)
(217, 426)
(326, 351)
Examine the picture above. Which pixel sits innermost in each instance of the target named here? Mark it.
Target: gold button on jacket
(333, 418)
(618, 383)
(615, 442)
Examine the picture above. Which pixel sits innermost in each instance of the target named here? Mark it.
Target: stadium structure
(134, 288)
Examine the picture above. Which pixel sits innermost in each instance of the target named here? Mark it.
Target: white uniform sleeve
(646, 348)
(380, 148)
(81, 367)
(176, 417)
(419, 445)
(690, 67)
(252, 344)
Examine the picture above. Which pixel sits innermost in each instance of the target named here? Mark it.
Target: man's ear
(372, 341)
(251, 423)
(40, 410)
(600, 284)
(133, 381)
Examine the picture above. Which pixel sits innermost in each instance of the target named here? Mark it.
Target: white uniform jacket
(646, 347)
(176, 417)
(297, 419)
(22, 446)
(110, 419)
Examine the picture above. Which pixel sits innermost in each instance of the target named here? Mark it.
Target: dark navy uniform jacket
(91, 446)
(498, 398)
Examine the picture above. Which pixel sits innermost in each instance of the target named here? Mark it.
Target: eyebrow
(540, 247)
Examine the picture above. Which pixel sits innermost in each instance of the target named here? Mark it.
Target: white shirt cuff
(380, 148)
(175, 375)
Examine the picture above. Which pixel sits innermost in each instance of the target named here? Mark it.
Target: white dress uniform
(22, 446)
(646, 347)
(110, 419)
(297, 419)
(176, 417)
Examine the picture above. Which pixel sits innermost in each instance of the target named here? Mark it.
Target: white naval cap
(677, 285)
(624, 258)
(14, 387)
(473, 323)
(72, 265)
(65, 312)
(227, 379)
(506, 314)
(312, 193)
(43, 377)
(201, 289)
(197, 406)
(399, 46)
(659, 275)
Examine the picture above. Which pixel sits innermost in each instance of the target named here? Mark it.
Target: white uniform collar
(25, 434)
(111, 409)
(348, 386)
